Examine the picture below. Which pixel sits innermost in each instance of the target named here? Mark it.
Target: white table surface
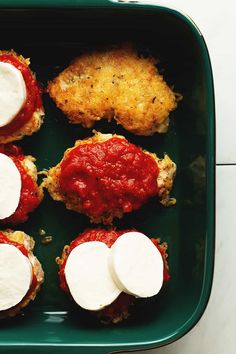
(215, 333)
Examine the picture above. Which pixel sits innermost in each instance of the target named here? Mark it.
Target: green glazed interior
(51, 38)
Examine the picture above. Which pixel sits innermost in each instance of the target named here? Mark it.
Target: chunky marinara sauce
(21, 247)
(29, 198)
(110, 175)
(33, 98)
(123, 301)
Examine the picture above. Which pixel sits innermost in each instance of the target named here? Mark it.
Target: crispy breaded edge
(27, 129)
(28, 242)
(164, 181)
(35, 121)
(31, 169)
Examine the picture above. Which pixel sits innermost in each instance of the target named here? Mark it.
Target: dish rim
(210, 169)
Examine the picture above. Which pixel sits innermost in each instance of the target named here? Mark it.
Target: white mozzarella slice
(88, 276)
(15, 276)
(10, 186)
(136, 265)
(12, 92)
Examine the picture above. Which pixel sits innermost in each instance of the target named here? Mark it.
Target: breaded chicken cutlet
(105, 176)
(25, 244)
(115, 84)
(31, 194)
(21, 107)
(120, 308)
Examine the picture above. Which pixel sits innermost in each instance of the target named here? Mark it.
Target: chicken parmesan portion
(92, 271)
(116, 83)
(19, 192)
(105, 176)
(21, 273)
(21, 107)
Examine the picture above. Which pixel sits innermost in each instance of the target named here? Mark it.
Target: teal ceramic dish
(51, 33)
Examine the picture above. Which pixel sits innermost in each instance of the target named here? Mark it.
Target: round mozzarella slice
(88, 276)
(12, 92)
(15, 276)
(10, 186)
(136, 265)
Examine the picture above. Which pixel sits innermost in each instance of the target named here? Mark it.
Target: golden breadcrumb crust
(165, 181)
(28, 242)
(116, 84)
(29, 128)
(36, 120)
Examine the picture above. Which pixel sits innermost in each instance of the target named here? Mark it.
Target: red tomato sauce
(21, 247)
(33, 98)
(29, 198)
(123, 301)
(109, 175)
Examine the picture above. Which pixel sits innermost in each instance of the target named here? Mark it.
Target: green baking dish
(51, 33)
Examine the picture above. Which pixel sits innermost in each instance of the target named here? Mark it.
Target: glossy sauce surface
(109, 175)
